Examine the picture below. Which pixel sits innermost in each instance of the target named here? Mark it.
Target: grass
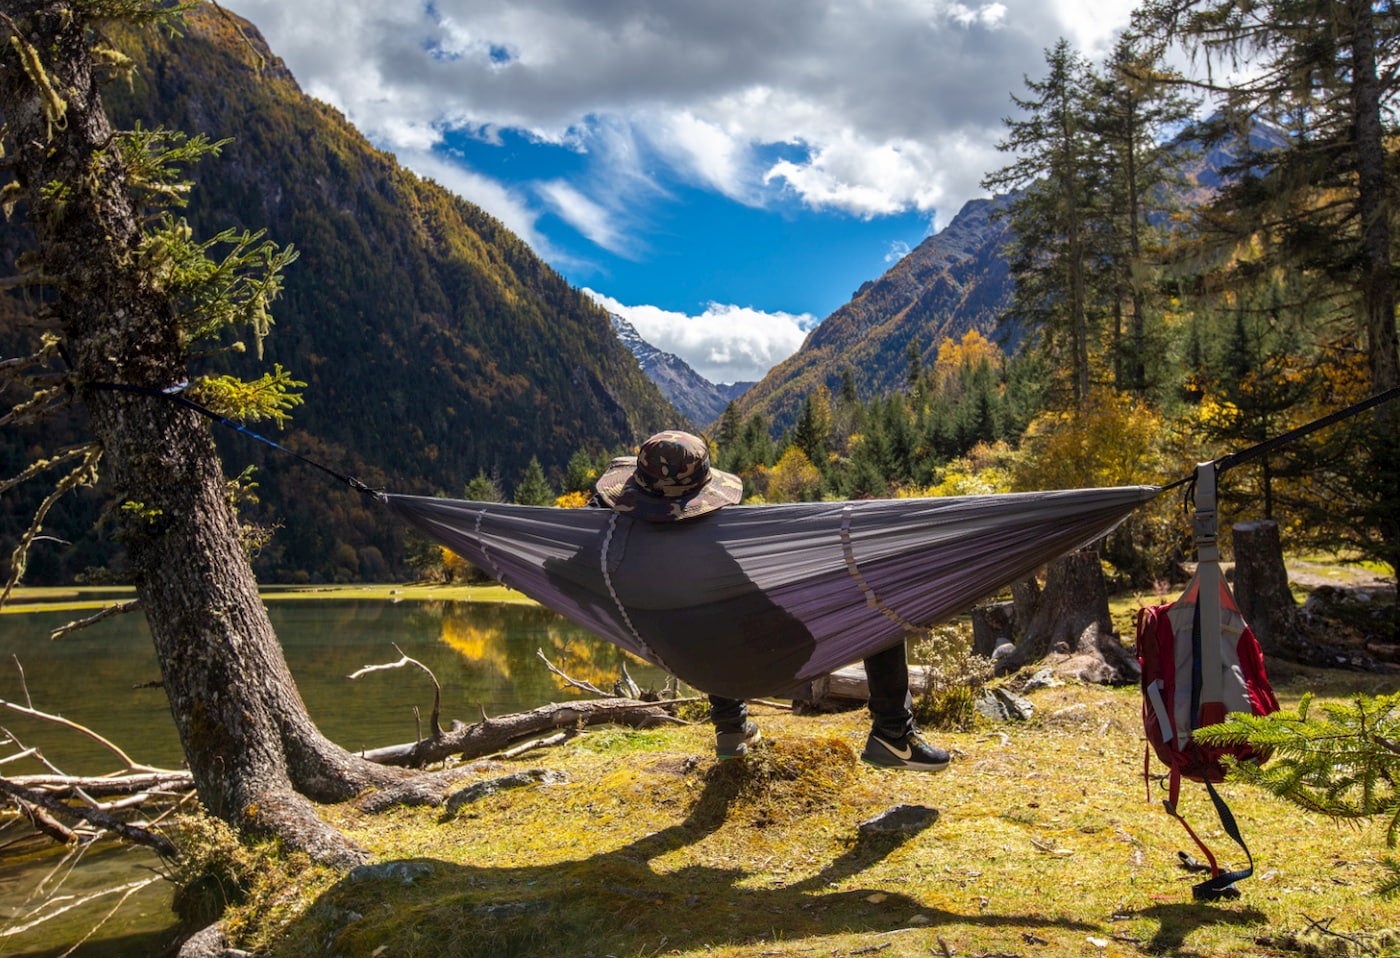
(81, 598)
(1043, 844)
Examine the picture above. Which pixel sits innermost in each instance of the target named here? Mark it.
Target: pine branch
(1342, 763)
(84, 474)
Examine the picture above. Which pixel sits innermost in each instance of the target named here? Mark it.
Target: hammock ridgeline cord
(1269, 445)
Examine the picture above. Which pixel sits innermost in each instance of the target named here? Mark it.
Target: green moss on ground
(1043, 844)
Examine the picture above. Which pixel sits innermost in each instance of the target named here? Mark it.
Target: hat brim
(618, 488)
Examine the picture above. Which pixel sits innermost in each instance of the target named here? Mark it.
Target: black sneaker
(736, 744)
(910, 753)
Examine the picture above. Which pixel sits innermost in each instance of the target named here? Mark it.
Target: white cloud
(501, 202)
(583, 214)
(725, 344)
(707, 152)
(897, 251)
(889, 106)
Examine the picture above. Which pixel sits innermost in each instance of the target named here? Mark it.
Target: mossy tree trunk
(252, 748)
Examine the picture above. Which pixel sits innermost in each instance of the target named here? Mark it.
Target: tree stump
(1069, 617)
(1261, 585)
(992, 625)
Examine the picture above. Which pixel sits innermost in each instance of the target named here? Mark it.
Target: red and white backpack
(1200, 661)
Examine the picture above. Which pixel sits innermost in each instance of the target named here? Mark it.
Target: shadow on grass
(614, 902)
(1176, 921)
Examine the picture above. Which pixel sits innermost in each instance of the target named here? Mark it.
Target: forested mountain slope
(954, 281)
(433, 342)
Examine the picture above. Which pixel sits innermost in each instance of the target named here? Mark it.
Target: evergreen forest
(1179, 269)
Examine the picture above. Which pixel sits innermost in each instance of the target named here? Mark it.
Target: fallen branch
(63, 786)
(490, 736)
(125, 759)
(46, 824)
(129, 890)
(71, 903)
(559, 738)
(93, 816)
(435, 719)
(583, 684)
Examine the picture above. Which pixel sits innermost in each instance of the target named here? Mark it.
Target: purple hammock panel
(757, 600)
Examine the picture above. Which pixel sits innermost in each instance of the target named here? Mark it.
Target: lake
(483, 655)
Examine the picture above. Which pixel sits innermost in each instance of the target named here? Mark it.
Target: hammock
(758, 600)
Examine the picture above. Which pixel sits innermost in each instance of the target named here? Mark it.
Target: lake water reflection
(484, 657)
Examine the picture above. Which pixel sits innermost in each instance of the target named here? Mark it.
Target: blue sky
(723, 173)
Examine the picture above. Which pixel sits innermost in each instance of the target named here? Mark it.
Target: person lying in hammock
(670, 481)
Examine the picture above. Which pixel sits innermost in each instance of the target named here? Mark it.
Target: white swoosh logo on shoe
(903, 754)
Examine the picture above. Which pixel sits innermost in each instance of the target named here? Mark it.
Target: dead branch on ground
(490, 736)
(435, 719)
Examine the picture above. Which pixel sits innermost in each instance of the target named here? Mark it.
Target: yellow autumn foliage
(794, 478)
(1113, 439)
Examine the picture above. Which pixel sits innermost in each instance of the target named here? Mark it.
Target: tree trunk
(992, 626)
(1261, 584)
(1069, 619)
(1375, 207)
(250, 744)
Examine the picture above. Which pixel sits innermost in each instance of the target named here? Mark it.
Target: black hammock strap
(174, 394)
(1269, 445)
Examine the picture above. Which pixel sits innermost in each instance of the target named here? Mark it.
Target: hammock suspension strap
(173, 393)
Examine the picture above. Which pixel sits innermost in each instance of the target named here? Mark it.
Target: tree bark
(1261, 584)
(251, 746)
(1069, 618)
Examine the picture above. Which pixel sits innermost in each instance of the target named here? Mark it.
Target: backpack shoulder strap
(1220, 884)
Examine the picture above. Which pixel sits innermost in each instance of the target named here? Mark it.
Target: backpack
(1200, 661)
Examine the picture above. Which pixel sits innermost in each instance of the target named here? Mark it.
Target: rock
(1044, 679)
(900, 820)
(405, 873)
(1003, 705)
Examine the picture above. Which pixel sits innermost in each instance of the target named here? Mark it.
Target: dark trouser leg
(891, 705)
(728, 715)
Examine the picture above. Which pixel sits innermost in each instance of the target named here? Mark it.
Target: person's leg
(891, 705)
(894, 742)
(734, 733)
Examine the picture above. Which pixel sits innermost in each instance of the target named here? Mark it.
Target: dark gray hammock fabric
(756, 600)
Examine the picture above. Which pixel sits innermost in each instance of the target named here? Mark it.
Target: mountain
(954, 281)
(433, 342)
(698, 399)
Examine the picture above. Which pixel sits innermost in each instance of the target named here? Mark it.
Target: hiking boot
(911, 753)
(736, 744)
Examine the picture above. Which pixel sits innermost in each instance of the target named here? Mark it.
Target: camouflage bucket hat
(669, 479)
